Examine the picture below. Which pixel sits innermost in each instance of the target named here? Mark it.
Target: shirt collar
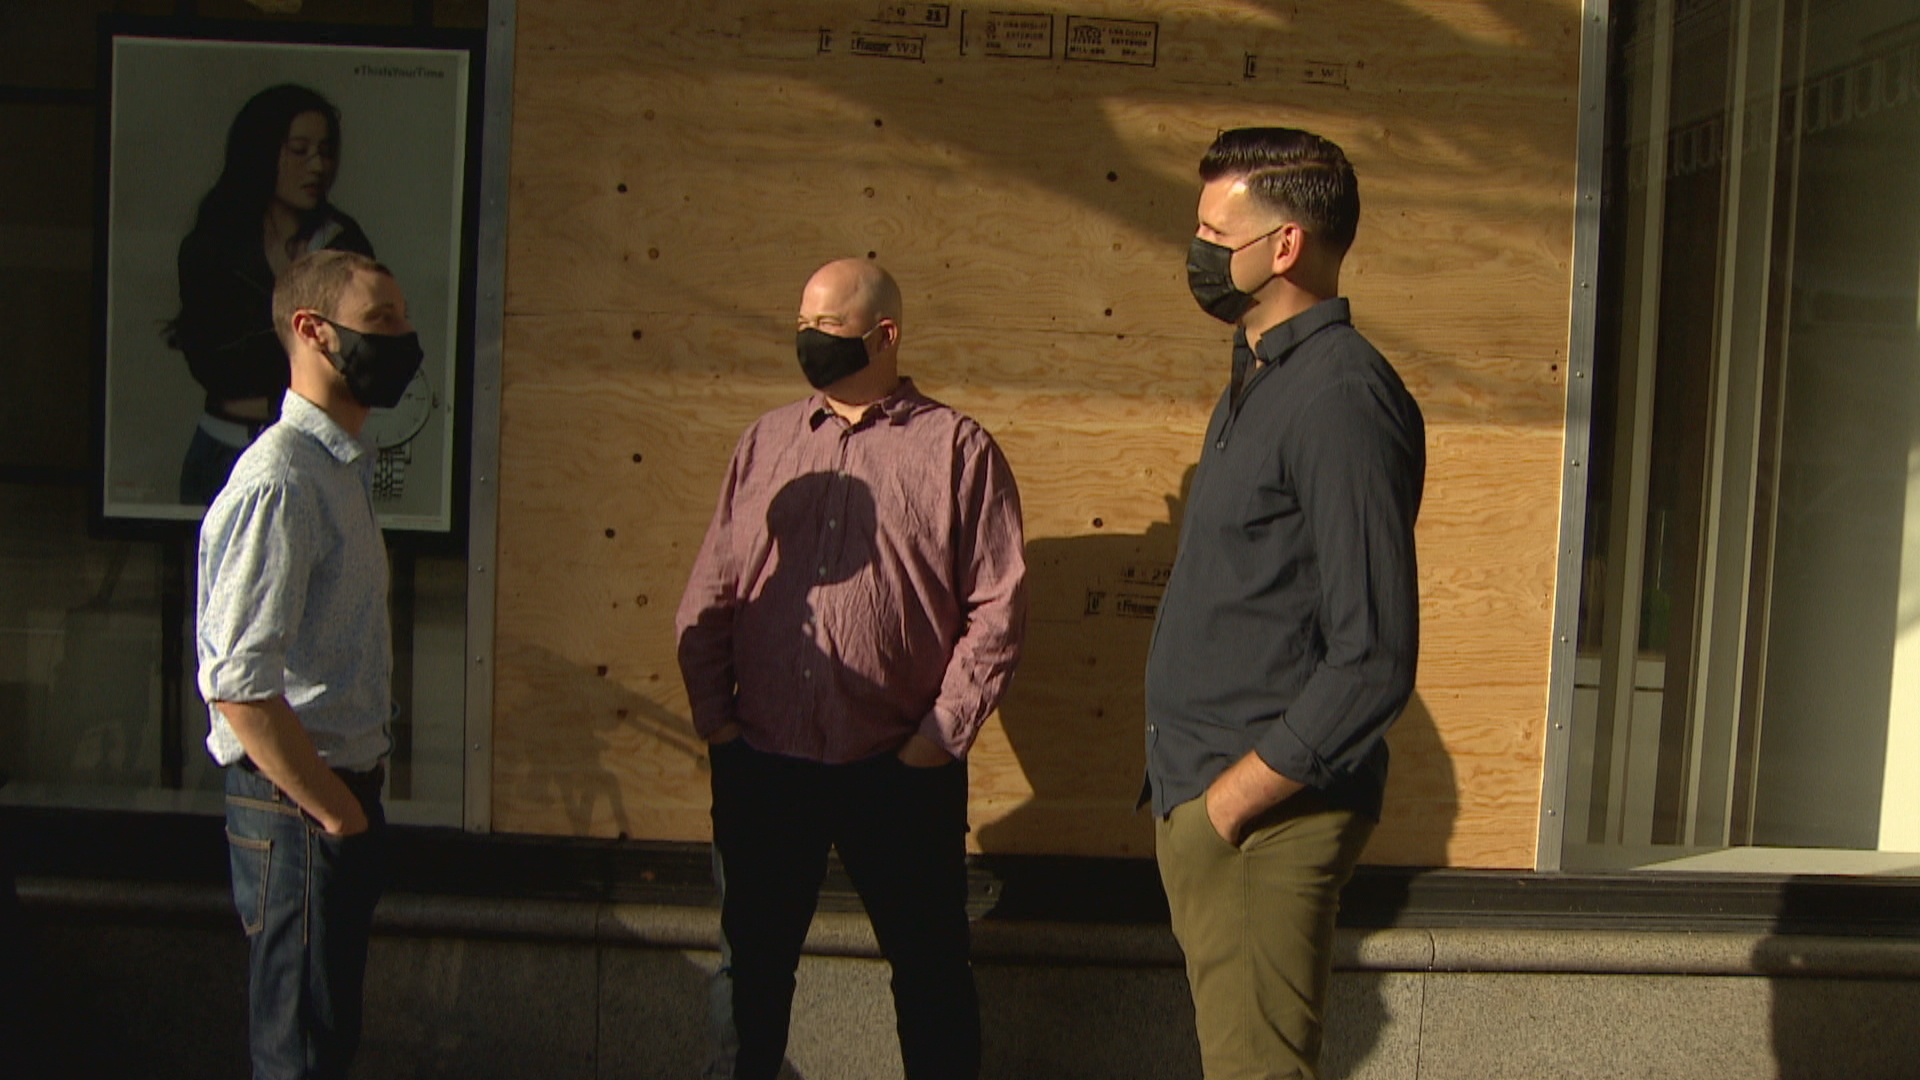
(1278, 341)
(897, 407)
(311, 420)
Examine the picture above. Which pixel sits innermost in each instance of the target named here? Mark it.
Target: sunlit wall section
(679, 168)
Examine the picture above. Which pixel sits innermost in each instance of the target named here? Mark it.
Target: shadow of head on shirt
(811, 631)
(821, 529)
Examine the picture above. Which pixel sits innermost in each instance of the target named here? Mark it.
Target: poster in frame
(224, 155)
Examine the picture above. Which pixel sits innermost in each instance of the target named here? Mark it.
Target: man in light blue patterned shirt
(296, 662)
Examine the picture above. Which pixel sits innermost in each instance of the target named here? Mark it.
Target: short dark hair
(1295, 172)
(314, 282)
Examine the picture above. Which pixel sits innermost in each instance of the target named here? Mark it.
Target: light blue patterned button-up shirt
(293, 590)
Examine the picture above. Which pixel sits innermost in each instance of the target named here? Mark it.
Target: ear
(309, 327)
(1289, 247)
(889, 334)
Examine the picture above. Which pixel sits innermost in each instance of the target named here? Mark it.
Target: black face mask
(378, 367)
(826, 359)
(1210, 278)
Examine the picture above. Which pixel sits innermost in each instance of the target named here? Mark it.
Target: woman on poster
(268, 208)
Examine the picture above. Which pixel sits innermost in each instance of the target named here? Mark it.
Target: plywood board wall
(679, 167)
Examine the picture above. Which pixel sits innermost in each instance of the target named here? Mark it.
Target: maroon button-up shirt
(859, 583)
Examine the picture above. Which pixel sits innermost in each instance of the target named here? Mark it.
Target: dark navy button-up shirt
(1291, 622)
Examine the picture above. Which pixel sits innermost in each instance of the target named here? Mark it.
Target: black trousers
(901, 833)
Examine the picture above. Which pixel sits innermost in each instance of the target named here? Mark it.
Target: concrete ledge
(132, 901)
(843, 934)
(582, 990)
(1623, 953)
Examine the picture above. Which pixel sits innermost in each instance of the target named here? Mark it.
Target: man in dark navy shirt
(1287, 639)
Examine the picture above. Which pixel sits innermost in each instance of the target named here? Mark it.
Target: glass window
(1748, 681)
(98, 706)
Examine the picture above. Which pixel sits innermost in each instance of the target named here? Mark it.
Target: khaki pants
(1256, 924)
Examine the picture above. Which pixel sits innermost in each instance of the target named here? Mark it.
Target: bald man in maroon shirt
(854, 615)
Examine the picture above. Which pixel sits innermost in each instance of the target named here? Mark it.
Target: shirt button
(807, 675)
(832, 524)
(1151, 729)
(1221, 445)
(823, 571)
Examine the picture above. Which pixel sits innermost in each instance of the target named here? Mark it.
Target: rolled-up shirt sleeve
(1359, 473)
(990, 575)
(253, 591)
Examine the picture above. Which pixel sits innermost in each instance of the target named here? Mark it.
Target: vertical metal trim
(483, 524)
(1746, 268)
(1746, 791)
(1595, 19)
(1620, 661)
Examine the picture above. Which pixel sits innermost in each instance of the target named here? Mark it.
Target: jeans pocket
(252, 861)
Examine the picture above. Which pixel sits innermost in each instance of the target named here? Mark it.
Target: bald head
(858, 289)
(854, 298)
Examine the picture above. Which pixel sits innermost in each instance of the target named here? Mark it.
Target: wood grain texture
(679, 168)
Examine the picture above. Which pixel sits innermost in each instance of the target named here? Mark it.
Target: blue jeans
(305, 900)
(204, 471)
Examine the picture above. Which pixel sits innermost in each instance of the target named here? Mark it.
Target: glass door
(1749, 672)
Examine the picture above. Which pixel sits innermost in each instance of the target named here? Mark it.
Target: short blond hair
(314, 283)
